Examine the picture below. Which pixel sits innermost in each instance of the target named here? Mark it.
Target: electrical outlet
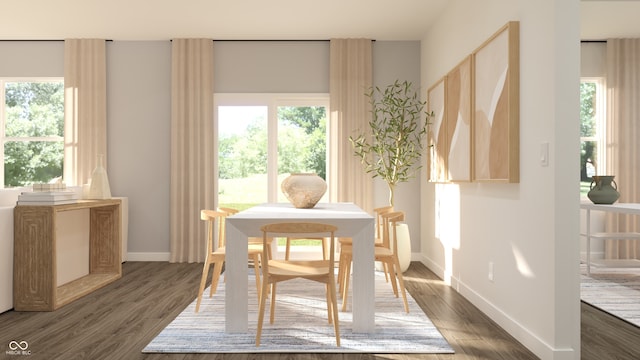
(491, 271)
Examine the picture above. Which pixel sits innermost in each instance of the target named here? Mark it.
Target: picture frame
(458, 101)
(436, 132)
(496, 67)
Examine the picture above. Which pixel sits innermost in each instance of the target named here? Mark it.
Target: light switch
(544, 154)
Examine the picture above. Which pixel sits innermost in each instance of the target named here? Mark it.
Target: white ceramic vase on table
(304, 190)
(99, 188)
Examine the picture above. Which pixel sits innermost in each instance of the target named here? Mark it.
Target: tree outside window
(591, 131)
(291, 135)
(33, 127)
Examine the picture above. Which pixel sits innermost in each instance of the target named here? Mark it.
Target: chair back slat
(389, 220)
(298, 229)
(214, 219)
(379, 212)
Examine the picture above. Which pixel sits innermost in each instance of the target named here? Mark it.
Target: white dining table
(350, 220)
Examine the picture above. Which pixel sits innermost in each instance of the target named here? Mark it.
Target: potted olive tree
(394, 144)
(397, 128)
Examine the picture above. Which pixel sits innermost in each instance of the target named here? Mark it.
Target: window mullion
(3, 101)
(272, 151)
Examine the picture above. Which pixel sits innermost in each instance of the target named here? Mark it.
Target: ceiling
(217, 19)
(609, 19)
(263, 20)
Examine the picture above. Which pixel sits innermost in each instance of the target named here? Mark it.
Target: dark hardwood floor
(117, 322)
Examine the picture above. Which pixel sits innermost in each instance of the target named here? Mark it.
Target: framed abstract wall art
(436, 133)
(458, 122)
(496, 131)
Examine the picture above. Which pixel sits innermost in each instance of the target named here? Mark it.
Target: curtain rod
(265, 40)
(40, 40)
(593, 41)
(275, 40)
(222, 40)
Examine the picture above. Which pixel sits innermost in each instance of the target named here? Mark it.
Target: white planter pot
(404, 247)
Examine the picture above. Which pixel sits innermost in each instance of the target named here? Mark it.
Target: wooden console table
(34, 262)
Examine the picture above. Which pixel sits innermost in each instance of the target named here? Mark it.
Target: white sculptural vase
(303, 190)
(404, 246)
(99, 188)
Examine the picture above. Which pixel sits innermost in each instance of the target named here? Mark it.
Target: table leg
(236, 284)
(363, 281)
(588, 241)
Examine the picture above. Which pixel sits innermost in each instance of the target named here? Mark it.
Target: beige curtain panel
(192, 168)
(623, 132)
(85, 108)
(351, 76)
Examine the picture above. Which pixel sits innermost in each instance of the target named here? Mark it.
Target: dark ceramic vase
(604, 190)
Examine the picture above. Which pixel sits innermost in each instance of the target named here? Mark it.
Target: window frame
(272, 101)
(3, 138)
(601, 123)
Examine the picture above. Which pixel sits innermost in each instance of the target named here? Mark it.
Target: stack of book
(47, 198)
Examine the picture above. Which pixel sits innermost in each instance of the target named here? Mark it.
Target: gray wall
(271, 66)
(139, 125)
(399, 60)
(139, 111)
(31, 58)
(593, 59)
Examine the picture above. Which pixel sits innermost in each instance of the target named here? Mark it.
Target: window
(31, 129)
(262, 138)
(592, 131)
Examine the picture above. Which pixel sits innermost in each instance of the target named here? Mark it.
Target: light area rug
(614, 290)
(301, 325)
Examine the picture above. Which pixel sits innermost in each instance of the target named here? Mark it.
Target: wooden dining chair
(347, 243)
(275, 271)
(216, 253)
(387, 253)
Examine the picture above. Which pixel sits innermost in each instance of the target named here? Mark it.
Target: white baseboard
(431, 265)
(513, 327)
(145, 256)
(595, 255)
(530, 340)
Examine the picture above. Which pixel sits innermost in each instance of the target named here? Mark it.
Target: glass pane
(588, 109)
(588, 164)
(302, 142)
(34, 109)
(302, 148)
(28, 162)
(242, 156)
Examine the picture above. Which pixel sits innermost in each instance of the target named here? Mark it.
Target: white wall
(529, 230)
